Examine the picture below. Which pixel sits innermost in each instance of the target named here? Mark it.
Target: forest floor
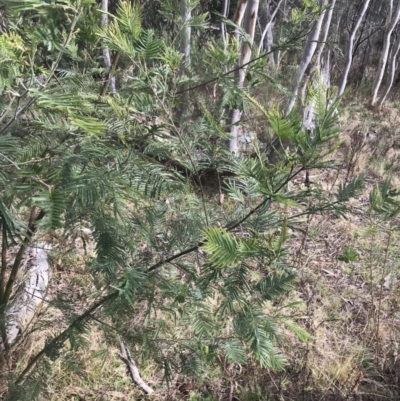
(348, 285)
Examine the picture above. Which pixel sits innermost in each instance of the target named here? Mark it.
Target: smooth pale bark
(326, 24)
(278, 53)
(185, 32)
(350, 47)
(267, 32)
(106, 50)
(308, 53)
(134, 371)
(391, 24)
(239, 14)
(325, 80)
(392, 71)
(185, 50)
(223, 24)
(249, 24)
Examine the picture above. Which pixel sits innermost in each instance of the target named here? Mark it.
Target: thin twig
(64, 335)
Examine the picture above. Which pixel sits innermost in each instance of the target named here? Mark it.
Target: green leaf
(234, 352)
(351, 190)
(348, 254)
(223, 247)
(300, 332)
(53, 203)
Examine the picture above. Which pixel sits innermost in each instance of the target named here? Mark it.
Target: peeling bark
(30, 293)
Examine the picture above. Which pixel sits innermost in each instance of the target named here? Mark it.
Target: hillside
(199, 200)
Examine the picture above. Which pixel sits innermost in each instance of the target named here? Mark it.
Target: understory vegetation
(189, 210)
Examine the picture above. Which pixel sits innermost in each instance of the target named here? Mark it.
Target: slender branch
(54, 67)
(293, 40)
(268, 26)
(3, 330)
(231, 226)
(3, 259)
(63, 336)
(110, 74)
(5, 113)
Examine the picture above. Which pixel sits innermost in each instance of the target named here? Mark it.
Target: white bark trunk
(391, 24)
(350, 46)
(392, 71)
(239, 14)
(186, 32)
(308, 53)
(326, 26)
(279, 56)
(249, 24)
(325, 80)
(185, 49)
(106, 50)
(223, 24)
(268, 31)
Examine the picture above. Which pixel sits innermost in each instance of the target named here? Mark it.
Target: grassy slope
(350, 306)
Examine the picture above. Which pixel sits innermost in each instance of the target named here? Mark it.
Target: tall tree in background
(249, 25)
(391, 22)
(267, 40)
(185, 48)
(318, 63)
(350, 46)
(106, 50)
(393, 62)
(308, 53)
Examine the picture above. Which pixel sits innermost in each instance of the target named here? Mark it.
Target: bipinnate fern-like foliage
(203, 275)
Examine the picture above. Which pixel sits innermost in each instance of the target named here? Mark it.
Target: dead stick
(126, 357)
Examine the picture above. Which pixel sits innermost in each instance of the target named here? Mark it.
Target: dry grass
(351, 309)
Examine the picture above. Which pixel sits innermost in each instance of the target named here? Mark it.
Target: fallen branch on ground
(126, 357)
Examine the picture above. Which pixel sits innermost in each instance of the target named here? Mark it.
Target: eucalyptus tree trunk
(186, 31)
(239, 14)
(267, 41)
(278, 53)
(326, 24)
(350, 47)
(106, 50)
(391, 23)
(324, 78)
(223, 24)
(185, 50)
(392, 71)
(249, 24)
(308, 53)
